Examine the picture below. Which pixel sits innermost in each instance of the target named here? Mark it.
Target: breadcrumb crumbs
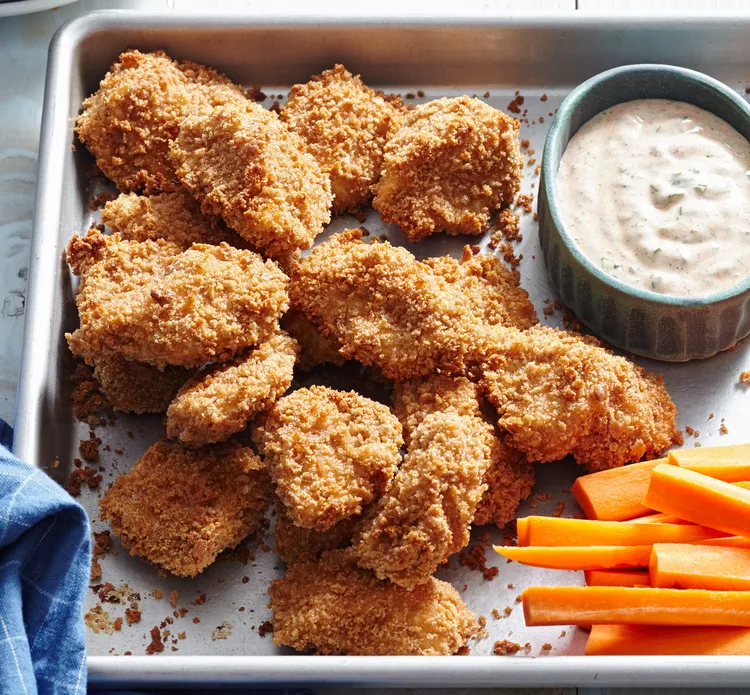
(745, 377)
(506, 648)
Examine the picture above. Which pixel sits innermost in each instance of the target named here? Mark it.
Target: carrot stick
(591, 557)
(728, 542)
(616, 494)
(719, 568)
(728, 463)
(657, 518)
(614, 605)
(551, 531)
(700, 499)
(616, 578)
(645, 640)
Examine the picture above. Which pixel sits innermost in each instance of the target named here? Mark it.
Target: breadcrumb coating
(296, 544)
(344, 125)
(450, 165)
(179, 508)
(213, 406)
(559, 393)
(509, 478)
(383, 306)
(334, 607)
(315, 349)
(136, 387)
(426, 514)
(242, 163)
(490, 289)
(173, 216)
(151, 303)
(329, 452)
(128, 123)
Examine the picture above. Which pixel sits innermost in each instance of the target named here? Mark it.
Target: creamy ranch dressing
(657, 194)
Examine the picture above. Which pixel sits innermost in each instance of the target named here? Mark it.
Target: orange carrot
(657, 518)
(645, 640)
(551, 531)
(616, 494)
(728, 542)
(591, 557)
(615, 605)
(728, 463)
(674, 566)
(700, 499)
(616, 578)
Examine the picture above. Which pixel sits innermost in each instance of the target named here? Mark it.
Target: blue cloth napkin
(45, 563)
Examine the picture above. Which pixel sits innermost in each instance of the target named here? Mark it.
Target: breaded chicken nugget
(490, 289)
(426, 514)
(383, 306)
(173, 216)
(329, 452)
(344, 125)
(315, 349)
(136, 387)
(559, 393)
(334, 607)
(179, 508)
(242, 163)
(509, 478)
(296, 544)
(128, 123)
(151, 303)
(213, 406)
(450, 165)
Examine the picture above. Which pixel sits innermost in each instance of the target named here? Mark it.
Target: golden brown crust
(151, 303)
(559, 393)
(315, 348)
(334, 607)
(128, 122)
(383, 306)
(426, 515)
(450, 165)
(489, 288)
(179, 508)
(213, 406)
(242, 163)
(136, 387)
(329, 452)
(173, 216)
(344, 125)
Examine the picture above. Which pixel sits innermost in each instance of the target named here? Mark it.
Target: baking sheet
(532, 55)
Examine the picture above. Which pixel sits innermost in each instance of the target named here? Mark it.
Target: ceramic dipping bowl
(674, 329)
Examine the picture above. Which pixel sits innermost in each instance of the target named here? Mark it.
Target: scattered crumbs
(157, 594)
(119, 452)
(519, 598)
(156, 646)
(465, 587)
(711, 416)
(174, 596)
(698, 445)
(548, 310)
(128, 654)
(747, 90)
(745, 377)
(689, 430)
(546, 647)
(420, 93)
(537, 171)
(527, 647)
(245, 579)
(559, 509)
(89, 448)
(508, 610)
(242, 609)
(543, 97)
(223, 631)
(463, 651)
(196, 620)
(182, 612)
(96, 569)
(515, 105)
(102, 542)
(540, 497)
(525, 144)
(563, 633)
(525, 201)
(117, 624)
(275, 107)
(256, 93)
(475, 558)
(723, 429)
(97, 619)
(486, 95)
(506, 648)
(511, 586)
(697, 433)
(56, 463)
(100, 199)
(482, 621)
(132, 616)
(496, 614)
(199, 601)
(410, 95)
(265, 628)
(541, 119)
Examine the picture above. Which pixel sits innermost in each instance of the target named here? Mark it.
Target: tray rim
(387, 671)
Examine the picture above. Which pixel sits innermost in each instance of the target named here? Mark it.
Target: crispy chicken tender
(213, 406)
(329, 452)
(242, 163)
(128, 122)
(179, 508)
(559, 393)
(173, 216)
(296, 544)
(151, 303)
(344, 125)
(136, 387)
(509, 478)
(426, 515)
(334, 607)
(450, 165)
(383, 306)
(490, 289)
(315, 348)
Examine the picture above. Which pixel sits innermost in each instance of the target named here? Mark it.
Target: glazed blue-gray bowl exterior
(674, 329)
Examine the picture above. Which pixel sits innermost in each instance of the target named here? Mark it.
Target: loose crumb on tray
(506, 648)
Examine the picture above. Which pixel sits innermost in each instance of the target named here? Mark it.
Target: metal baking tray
(537, 55)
